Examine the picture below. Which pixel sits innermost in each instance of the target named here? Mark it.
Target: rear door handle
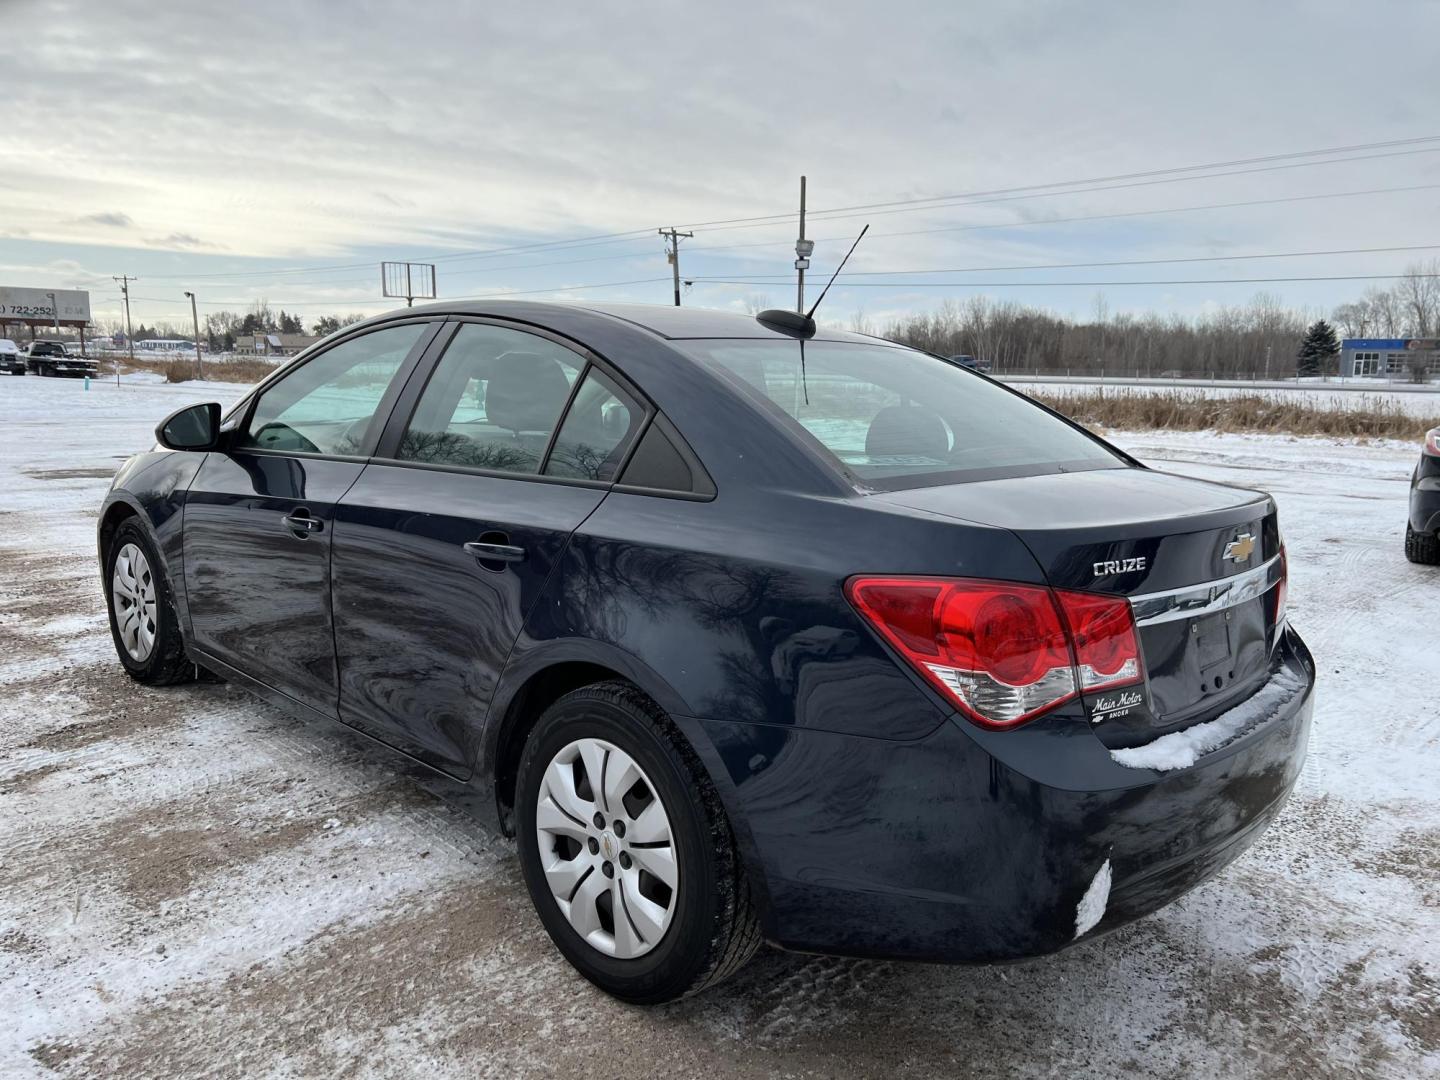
(302, 523)
(495, 552)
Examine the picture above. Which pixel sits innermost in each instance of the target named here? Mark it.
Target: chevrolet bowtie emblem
(1239, 549)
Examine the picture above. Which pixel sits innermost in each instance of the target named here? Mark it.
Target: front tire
(143, 622)
(1423, 548)
(634, 872)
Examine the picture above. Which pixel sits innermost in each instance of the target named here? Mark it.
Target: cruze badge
(1239, 549)
(1119, 566)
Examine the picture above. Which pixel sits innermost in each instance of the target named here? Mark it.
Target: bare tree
(1418, 296)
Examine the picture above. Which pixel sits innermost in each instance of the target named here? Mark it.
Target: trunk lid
(1196, 559)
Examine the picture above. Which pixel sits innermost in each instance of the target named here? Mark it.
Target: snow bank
(1181, 749)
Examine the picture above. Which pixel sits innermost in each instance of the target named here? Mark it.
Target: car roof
(664, 321)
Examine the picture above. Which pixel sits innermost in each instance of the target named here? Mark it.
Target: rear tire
(143, 622)
(709, 924)
(1423, 548)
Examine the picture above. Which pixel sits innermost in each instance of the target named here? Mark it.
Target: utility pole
(803, 248)
(673, 255)
(124, 280)
(199, 367)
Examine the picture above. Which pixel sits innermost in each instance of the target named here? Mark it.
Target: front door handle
(301, 523)
(495, 552)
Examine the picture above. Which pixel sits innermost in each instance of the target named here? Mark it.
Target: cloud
(113, 218)
(180, 240)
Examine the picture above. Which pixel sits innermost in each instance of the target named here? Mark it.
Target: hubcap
(132, 588)
(606, 848)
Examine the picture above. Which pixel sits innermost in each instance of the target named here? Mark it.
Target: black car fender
(152, 487)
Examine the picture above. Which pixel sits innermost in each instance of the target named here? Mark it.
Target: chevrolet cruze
(747, 631)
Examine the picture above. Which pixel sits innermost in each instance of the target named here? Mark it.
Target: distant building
(1388, 357)
(162, 345)
(272, 344)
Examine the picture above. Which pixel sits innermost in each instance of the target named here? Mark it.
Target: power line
(1093, 180)
(834, 216)
(905, 206)
(340, 303)
(1090, 284)
(1130, 262)
(898, 234)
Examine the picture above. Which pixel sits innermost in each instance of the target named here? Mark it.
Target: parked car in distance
(12, 361)
(965, 360)
(745, 630)
(1422, 531)
(51, 358)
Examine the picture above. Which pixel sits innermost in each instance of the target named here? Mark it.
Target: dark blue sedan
(745, 631)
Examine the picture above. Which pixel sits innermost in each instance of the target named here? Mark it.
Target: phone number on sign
(26, 311)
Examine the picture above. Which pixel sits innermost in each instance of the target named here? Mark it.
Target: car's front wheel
(142, 610)
(1423, 548)
(626, 850)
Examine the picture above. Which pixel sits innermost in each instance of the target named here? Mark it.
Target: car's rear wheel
(626, 850)
(142, 610)
(1423, 548)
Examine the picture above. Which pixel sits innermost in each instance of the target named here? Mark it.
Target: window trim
(408, 402)
(703, 486)
(239, 417)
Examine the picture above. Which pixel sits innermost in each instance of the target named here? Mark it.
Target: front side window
(328, 404)
(493, 401)
(895, 417)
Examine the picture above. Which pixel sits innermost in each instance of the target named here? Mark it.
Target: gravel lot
(193, 884)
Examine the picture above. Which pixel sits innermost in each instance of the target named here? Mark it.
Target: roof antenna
(811, 313)
(804, 325)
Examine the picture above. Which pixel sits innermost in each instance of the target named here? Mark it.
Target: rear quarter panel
(737, 606)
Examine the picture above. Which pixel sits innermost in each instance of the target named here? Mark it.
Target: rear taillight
(1003, 653)
(1432, 442)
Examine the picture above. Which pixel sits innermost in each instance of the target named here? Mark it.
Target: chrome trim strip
(1195, 600)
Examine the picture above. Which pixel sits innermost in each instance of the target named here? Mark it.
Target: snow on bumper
(1182, 749)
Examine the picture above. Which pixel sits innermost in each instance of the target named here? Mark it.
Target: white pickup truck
(12, 361)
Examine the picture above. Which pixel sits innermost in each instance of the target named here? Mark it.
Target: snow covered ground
(192, 884)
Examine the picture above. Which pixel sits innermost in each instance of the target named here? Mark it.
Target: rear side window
(598, 427)
(895, 417)
(493, 401)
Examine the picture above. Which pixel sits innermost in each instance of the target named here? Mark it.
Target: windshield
(895, 417)
(47, 348)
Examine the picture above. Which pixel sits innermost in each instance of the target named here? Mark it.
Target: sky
(281, 150)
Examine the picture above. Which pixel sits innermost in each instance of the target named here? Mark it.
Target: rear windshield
(47, 348)
(897, 418)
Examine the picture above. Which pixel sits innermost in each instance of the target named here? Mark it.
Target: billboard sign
(70, 306)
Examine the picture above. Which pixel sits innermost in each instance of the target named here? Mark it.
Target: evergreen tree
(1317, 349)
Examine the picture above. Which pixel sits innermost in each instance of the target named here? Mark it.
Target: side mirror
(195, 427)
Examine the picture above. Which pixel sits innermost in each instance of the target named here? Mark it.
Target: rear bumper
(972, 846)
